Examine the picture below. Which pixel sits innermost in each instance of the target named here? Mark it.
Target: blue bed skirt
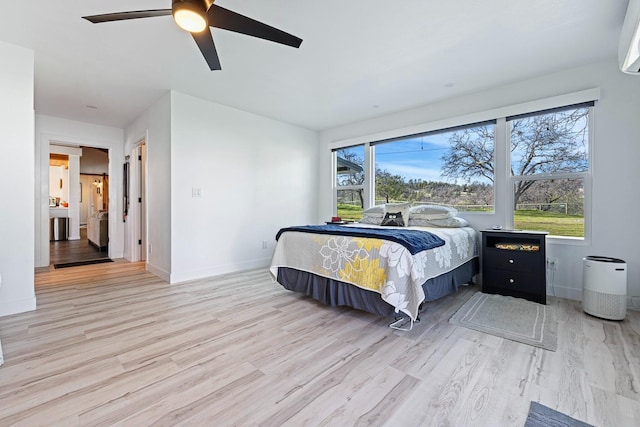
(335, 293)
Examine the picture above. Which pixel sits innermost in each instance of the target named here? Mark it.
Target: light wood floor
(112, 344)
(64, 251)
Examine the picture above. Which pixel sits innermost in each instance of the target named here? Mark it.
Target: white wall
(255, 174)
(58, 174)
(154, 126)
(68, 132)
(616, 174)
(17, 177)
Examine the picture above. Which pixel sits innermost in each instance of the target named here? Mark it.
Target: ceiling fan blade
(120, 16)
(220, 17)
(204, 40)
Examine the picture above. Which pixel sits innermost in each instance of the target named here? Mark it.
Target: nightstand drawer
(517, 281)
(511, 260)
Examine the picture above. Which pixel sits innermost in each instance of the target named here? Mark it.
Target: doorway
(86, 201)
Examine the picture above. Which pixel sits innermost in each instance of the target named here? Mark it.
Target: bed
(352, 265)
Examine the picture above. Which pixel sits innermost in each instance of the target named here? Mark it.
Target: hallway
(65, 251)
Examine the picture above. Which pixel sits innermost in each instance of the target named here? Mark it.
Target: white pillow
(453, 222)
(377, 209)
(430, 212)
(399, 210)
(373, 215)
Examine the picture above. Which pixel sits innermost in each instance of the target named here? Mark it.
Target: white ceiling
(359, 58)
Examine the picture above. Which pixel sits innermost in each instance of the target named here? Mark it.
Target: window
(350, 182)
(549, 167)
(453, 167)
(529, 171)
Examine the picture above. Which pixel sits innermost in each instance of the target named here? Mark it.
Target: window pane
(554, 205)
(350, 204)
(453, 168)
(550, 143)
(350, 166)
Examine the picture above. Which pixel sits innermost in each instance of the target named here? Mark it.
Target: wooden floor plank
(113, 344)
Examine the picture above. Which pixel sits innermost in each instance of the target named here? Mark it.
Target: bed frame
(336, 293)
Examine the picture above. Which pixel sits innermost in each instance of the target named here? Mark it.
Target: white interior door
(142, 201)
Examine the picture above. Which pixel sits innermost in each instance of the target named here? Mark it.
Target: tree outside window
(452, 167)
(350, 182)
(549, 163)
(548, 158)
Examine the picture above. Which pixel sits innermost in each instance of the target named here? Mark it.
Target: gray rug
(515, 319)
(543, 416)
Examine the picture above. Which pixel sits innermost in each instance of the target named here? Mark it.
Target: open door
(134, 201)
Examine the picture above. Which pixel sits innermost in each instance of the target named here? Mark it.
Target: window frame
(584, 175)
(365, 186)
(503, 197)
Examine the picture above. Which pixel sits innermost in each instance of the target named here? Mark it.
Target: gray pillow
(399, 212)
(393, 219)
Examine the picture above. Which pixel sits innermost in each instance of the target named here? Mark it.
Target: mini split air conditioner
(629, 45)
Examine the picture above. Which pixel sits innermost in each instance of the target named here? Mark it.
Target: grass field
(349, 212)
(556, 224)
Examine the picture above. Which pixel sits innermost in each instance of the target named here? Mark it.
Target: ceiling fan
(196, 16)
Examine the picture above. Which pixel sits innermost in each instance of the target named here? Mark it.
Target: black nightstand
(514, 264)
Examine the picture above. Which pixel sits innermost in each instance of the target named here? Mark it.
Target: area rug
(515, 319)
(543, 416)
(79, 263)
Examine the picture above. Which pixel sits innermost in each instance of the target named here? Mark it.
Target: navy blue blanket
(414, 240)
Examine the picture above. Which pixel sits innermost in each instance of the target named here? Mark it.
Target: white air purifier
(604, 287)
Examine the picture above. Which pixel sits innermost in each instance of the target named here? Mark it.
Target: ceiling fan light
(189, 17)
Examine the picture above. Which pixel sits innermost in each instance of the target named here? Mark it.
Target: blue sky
(420, 157)
(417, 158)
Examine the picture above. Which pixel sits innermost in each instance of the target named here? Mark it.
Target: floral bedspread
(382, 266)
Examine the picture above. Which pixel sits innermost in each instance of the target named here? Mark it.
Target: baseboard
(188, 276)
(17, 306)
(158, 272)
(564, 292)
(633, 303)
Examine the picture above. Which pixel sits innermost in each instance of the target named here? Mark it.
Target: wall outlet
(264, 244)
(149, 247)
(552, 263)
(196, 192)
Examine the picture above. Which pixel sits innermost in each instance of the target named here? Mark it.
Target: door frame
(43, 149)
(137, 216)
